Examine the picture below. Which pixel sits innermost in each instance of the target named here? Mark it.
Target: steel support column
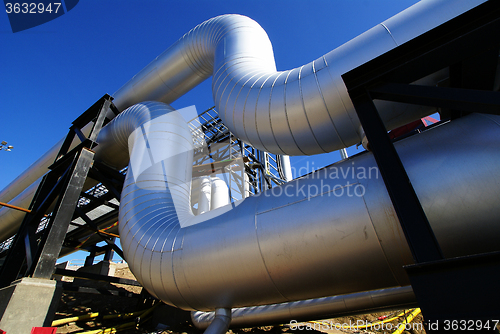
(450, 292)
(35, 249)
(64, 211)
(423, 244)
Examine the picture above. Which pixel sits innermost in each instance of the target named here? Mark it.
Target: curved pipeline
(305, 110)
(300, 240)
(301, 111)
(297, 241)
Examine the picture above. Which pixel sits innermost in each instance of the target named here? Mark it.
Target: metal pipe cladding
(305, 110)
(300, 240)
(333, 232)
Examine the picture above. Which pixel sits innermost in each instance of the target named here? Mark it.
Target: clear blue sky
(50, 74)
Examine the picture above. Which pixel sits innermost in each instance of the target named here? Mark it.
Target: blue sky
(50, 74)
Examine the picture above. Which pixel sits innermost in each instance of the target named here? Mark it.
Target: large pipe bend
(220, 323)
(305, 110)
(301, 111)
(300, 240)
(155, 201)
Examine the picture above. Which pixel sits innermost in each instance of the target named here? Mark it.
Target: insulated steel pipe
(305, 110)
(205, 195)
(209, 192)
(286, 167)
(300, 240)
(301, 111)
(321, 308)
(220, 322)
(220, 193)
(10, 220)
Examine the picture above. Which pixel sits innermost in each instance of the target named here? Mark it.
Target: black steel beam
(110, 173)
(416, 227)
(449, 291)
(79, 133)
(97, 173)
(459, 292)
(34, 253)
(66, 144)
(464, 37)
(62, 215)
(91, 113)
(470, 100)
(75, 235)
(74, 287)
(19, 256)
(94, 251)
(476, 72)
(95, 277)
(101, 116)
(94, 227)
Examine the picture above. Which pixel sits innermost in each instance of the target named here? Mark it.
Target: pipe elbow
(215, 322)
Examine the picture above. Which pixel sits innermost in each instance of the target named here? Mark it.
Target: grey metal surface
(321, 308)
(301, 111)
(333, 232)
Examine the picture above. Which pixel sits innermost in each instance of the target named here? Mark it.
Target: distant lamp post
(5, 147)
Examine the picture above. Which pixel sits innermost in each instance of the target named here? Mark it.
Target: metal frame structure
(468, 46)
(34, 251)
(219, 151)
(90, 217)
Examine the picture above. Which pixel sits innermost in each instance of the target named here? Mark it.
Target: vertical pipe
(286, 167)
(220, 193)
(343, 154)
(246, 186)
(221, 322)
(205, 195)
